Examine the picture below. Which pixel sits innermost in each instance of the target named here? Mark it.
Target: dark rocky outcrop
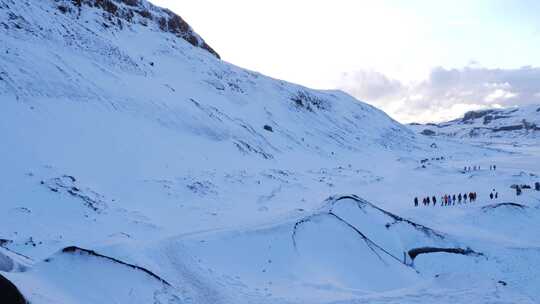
(471, 115)
(494, 206)
(118, 11)
(78, 250)
(428, 132)
(305, 100)
(509, 128)
(9, 293)
(413, 253)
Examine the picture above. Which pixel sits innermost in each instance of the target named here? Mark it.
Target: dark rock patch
(413, 253)
(509, 128)
(9, 293)
(472, 115)
(428, 132)
(494, 206)
(305, 100)
(78, 250)
(4, 242)
(127, 10)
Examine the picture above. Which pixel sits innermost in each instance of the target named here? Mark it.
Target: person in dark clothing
(491, 195)
(459, 198)
(494, 167)
(465, 197)
(470, 197)
(434, 199)
(518, 190)
(416, 201)
(496, 195)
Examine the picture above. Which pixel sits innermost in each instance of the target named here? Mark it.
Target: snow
(521, 124)
(135, 144)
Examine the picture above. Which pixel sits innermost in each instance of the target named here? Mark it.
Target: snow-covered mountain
(517, 122)
(138, 167)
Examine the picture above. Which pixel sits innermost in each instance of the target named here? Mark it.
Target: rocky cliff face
(120, 14)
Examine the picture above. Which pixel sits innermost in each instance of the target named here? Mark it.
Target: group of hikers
(477, 168)
(447, 199)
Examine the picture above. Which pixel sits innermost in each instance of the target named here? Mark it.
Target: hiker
(445, 200)
(496, 195)
(416, 201)
(434, 200)
(494, 167)
(465, 198)
(470, 197)
(518, 190)
(428, 200)
(459, 198)
(491, 195)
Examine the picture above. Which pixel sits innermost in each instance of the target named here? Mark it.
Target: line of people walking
(478, 168)
(447, 199)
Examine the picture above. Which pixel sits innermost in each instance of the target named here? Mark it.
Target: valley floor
(269, 232)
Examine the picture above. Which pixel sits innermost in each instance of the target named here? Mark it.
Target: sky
(420, 61)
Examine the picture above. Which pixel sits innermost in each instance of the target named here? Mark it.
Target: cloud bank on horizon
(447, 93)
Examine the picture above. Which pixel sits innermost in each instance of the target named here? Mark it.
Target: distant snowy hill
(138, 167)
(518, 122)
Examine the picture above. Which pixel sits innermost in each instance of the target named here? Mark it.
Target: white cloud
(447, 93)
(499, 94)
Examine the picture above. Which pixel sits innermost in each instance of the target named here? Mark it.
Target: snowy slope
(137, 167)
(518, 122)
